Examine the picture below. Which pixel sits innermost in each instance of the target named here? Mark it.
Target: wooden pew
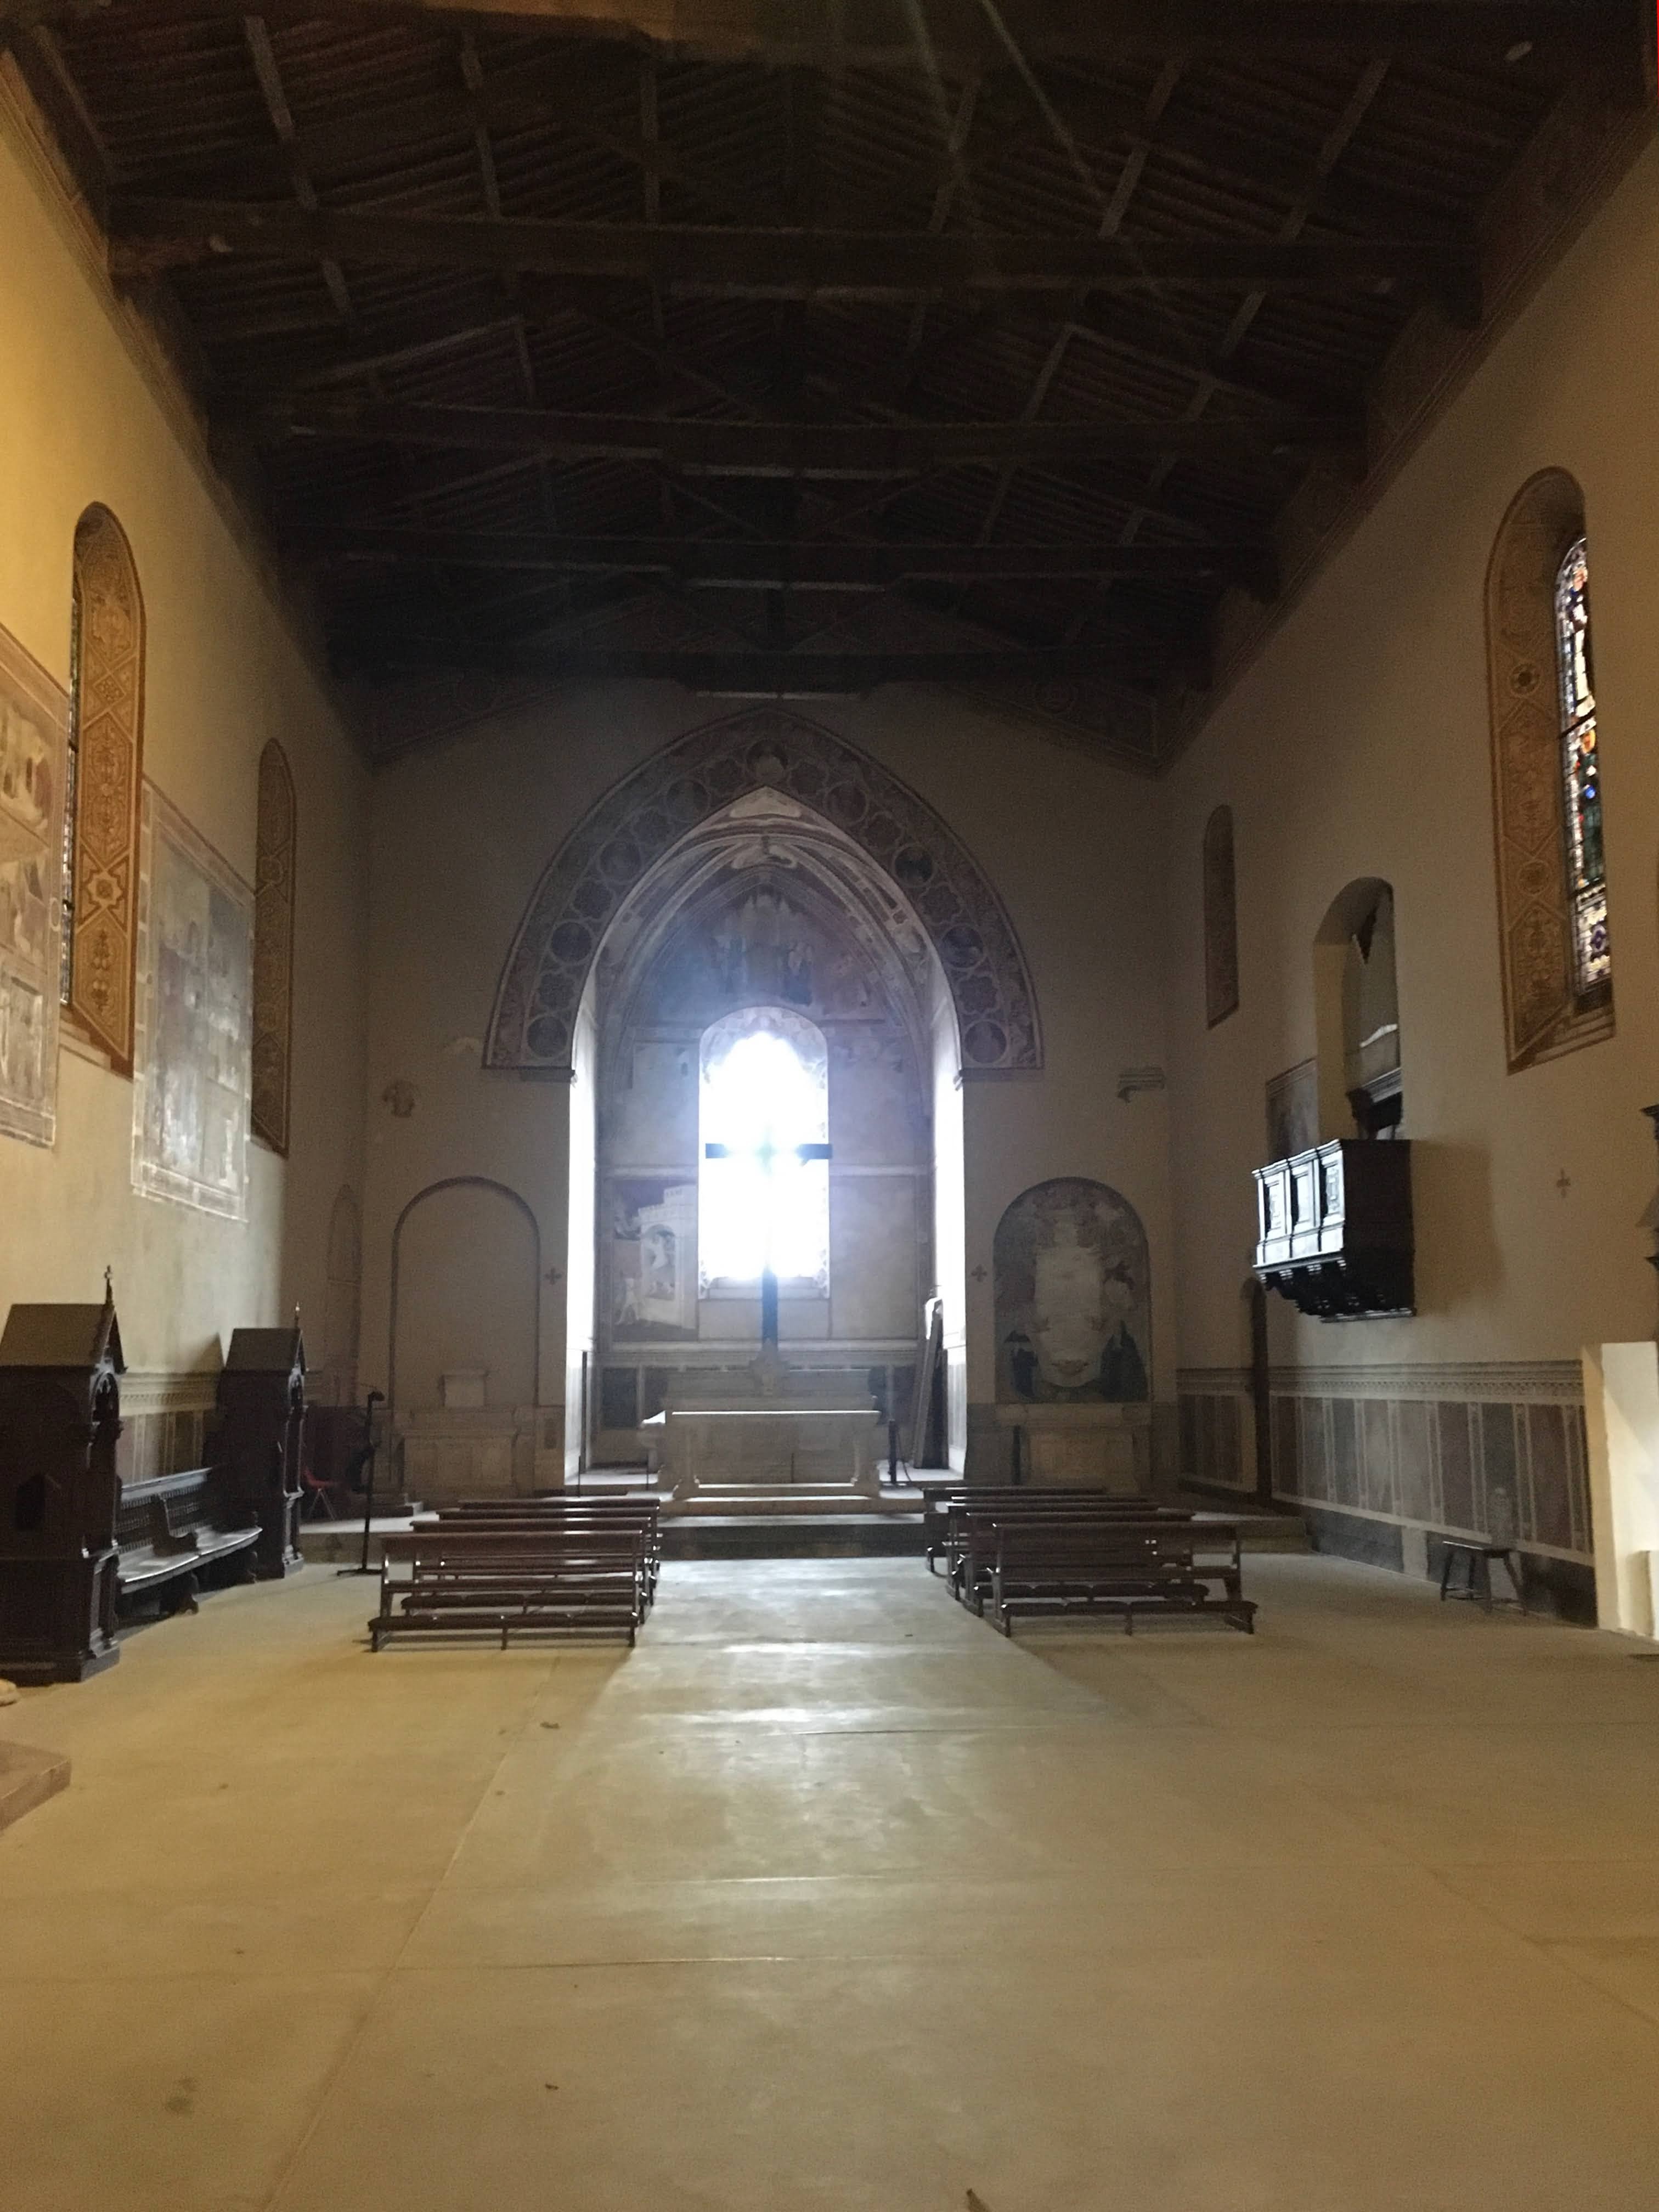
(1043, 1566)
(970, 1526)
(619, 1509)
(511, 1579)
(938, 1499)
(168, 1529)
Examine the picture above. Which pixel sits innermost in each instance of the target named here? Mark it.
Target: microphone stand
(375, 1397)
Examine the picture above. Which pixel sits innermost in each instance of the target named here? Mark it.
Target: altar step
(815, 1535)
(734, 1499)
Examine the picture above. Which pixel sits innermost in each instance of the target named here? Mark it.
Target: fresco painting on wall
(652, 1250)
(33, 716)
(760, 948)
(194, 1065)
(1073, 1307)
(1293, 1111)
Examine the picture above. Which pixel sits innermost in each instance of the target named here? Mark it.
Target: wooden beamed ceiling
(799, 350)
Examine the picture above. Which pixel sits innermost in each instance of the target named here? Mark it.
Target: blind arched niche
(106, 779)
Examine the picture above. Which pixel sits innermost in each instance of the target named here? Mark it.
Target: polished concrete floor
(827, 1897)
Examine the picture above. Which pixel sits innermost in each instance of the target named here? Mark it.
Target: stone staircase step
(791, 1536)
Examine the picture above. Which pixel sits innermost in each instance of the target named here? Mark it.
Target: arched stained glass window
(1546, 773)
(764, 1094)
(1587, 879)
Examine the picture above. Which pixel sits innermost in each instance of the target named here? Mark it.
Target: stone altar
(772, 1432)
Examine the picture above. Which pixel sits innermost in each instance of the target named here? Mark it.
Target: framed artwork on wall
(193, 1069)
(33, 726)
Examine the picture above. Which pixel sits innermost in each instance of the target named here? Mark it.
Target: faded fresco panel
(34, 724)
(872, 1256)
(193, 1067)
(651, 1105)
(1073, 1301)
(651, 1260)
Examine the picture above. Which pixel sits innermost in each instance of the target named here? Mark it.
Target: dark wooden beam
(848, 451)
(150, 235)
(761, 674)
(882, 34)
(742, 564)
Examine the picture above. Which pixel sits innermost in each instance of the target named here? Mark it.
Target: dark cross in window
(768, 1155)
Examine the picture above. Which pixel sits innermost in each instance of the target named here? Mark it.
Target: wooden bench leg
(186, 1596)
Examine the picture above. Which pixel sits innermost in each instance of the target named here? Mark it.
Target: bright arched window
(1587, 875)
(765, 1093)
(1546, 783)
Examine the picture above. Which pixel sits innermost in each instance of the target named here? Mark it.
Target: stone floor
(827, 1897)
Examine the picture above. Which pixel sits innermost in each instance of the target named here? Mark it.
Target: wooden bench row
(1034, 1552)
(534, 1566)
(172, 1529)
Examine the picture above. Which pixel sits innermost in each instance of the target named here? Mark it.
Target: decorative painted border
(642, 817)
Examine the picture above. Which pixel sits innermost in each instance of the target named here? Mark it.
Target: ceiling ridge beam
(771, 674)
(773, 564)
(851, 451)
(150, 235)
(959, 32)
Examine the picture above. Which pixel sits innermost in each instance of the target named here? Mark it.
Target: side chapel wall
(1359, 745)
(89, 416)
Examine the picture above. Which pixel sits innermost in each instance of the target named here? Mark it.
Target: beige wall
(80, 420)
(1357, 745)
(464, 829)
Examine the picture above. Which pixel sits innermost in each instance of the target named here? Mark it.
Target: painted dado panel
(1499, 1453)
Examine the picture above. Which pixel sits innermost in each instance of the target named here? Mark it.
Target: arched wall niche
(466, 1294)
(1072, 1295)
(1357, 1013)
(640, 823)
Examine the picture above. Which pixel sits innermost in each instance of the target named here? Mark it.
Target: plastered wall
(80, 419)
(464, 828)
(1357, 745)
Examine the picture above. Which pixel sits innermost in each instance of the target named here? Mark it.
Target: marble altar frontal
(768, 1430)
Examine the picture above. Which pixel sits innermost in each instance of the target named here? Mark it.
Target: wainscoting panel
(1498, 1452)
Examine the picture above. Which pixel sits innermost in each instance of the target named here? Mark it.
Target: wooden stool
(1477, 1559)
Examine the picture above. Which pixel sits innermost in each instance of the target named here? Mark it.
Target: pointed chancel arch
(667, 798)
(105, 780)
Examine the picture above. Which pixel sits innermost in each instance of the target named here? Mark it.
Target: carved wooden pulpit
(60, 1414)
(259, 1438)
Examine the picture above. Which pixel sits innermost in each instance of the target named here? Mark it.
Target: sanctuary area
(824, 827)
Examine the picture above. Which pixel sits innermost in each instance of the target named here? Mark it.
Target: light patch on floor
(826, 1899)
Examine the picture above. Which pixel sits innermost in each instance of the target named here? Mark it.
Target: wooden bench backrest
(527, 1546)
(188, 1499)
(1094, 1543)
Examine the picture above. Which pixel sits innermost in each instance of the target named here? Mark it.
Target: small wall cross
(979, 1275)
(1564, 1182)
